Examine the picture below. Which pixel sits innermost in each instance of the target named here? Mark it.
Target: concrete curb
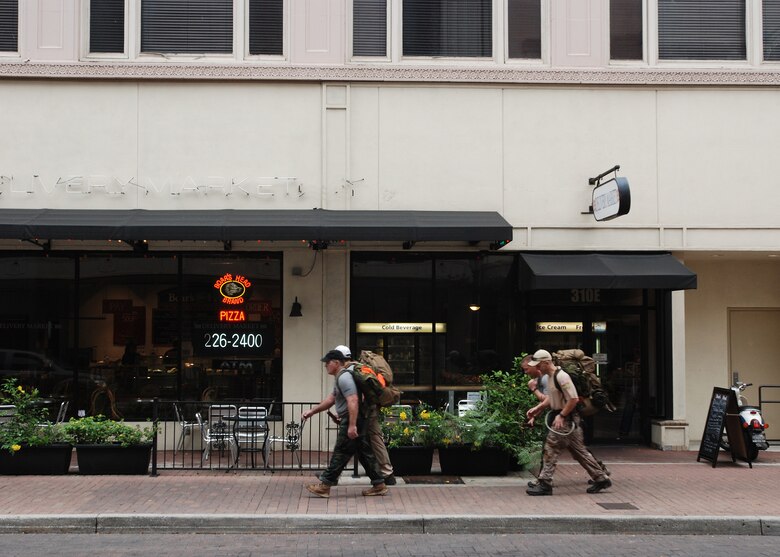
(387, 524)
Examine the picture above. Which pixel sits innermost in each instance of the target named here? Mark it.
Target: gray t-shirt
(343, 387)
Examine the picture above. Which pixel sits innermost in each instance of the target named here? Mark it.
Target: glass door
(614, 339)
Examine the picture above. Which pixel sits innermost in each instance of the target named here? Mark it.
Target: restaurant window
(127, 324)
(771, 21)
(625, 29)
(524, 29)
(231, 330)
(9, 25)
(460, 28)
(192, 27)
(37, 326)
(701, 30)
(369, 28)
(107, 26)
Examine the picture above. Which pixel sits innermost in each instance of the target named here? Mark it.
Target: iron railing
(763, 400)
(281, 441)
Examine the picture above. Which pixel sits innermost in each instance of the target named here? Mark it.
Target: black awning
(248, 225)
(598, 270)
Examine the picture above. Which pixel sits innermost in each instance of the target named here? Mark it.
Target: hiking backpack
(373, 385)
(582, 370)
(378, 363)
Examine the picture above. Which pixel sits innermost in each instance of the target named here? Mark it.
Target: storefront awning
(598, 270)
(248, 225)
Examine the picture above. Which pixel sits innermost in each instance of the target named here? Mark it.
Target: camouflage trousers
(346, 448)
(574, 442)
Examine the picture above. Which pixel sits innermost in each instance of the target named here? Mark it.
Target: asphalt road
(393, 545)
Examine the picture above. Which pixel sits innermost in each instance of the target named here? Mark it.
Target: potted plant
(106, 446)
(29, 443)
(493, 436)
(411, 437)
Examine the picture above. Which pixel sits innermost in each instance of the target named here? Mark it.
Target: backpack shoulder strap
(558, 385)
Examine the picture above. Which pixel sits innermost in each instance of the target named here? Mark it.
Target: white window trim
(243, 39)
(183, 57)
(645, 40)
(752, 35)
(421, 60)
(388, 57)
(545, 22)
(132, 38)
(86, 6)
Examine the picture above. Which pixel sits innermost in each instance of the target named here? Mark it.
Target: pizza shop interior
(108, 331)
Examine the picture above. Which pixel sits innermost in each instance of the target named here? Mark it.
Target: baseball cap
(344, 350)
(333, 355)
(540, 356)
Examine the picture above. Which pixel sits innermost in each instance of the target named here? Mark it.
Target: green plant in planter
(498, 419)
(29, 426)
(420, 428)
(98, 430)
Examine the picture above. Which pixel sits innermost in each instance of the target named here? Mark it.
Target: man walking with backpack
(351, 438)
(565, 432)
(373, 418)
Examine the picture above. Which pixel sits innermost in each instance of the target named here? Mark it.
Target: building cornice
(391, 73)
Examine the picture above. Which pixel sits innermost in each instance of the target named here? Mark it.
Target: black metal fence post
(155, 423)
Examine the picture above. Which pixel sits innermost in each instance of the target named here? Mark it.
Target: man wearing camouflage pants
(566, 432)
(351, 436)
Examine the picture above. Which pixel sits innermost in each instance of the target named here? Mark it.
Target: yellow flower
(20, 389)
(406, 431)
(402, 416)
(15, 448)
(425, 414)
(445, 441)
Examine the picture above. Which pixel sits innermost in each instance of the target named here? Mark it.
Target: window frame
(752, 34)
(496, 35)
(132, 38)
(19, 31)
(646, 32)
(389, 34)
(545, 22)
(86, 39)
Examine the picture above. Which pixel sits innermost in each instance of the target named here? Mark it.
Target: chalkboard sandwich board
(723, 401)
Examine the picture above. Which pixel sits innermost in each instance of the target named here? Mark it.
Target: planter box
(50, 460)
(462, 461)
(113, 459)
(411, 461)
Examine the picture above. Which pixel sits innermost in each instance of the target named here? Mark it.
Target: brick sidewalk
(646, 483)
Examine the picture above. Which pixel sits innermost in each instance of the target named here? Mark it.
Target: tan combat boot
(320, 490)
(378, 489)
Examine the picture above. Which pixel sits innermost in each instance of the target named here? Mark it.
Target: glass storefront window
(231, 334)
(125, 318)
(37, 326)
(467, 298)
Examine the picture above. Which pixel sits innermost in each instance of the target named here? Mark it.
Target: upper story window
(625, 30)
(524, 28)
(771, 20)
(107, 26)
(266, 24)
(187, 26)
(451, 28)
(369, 28)
(701, 30)
(9, 25)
